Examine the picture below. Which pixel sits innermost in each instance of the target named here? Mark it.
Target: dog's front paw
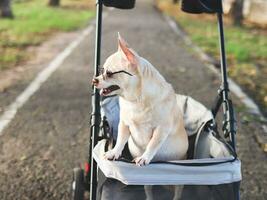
(112, 154)
(142, 160)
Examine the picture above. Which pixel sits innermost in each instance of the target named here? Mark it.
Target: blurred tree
(54, 2)
(237, 12)
(5, 7)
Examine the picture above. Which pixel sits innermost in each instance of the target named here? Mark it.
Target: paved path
(49, 134)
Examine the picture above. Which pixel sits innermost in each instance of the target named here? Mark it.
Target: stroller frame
(86, 180)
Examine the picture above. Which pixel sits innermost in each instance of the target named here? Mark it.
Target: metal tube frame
(91, 176)
(229, 123)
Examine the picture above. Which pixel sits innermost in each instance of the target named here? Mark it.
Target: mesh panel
(110, 189)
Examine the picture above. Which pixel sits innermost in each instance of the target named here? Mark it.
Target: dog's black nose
(95, 81)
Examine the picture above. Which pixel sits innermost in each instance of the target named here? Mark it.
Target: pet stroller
(212, 170)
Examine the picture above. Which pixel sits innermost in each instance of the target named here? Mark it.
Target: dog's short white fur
(150, 118)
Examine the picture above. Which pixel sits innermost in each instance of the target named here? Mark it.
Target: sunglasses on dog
(109, 74)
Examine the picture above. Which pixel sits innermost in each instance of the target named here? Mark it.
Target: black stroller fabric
(111, 189)
(121, 4)
(202, 6)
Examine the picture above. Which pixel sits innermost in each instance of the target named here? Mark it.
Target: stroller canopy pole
(229, 124)
(223, 57)
(99, 8)
(96, 116)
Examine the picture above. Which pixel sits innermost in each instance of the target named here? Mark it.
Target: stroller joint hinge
(223, 88)
(98, 2)
(229, 123)
(95, 119)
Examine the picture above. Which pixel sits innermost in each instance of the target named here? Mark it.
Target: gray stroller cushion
(110, 108)
(169, 174)
(194, 113)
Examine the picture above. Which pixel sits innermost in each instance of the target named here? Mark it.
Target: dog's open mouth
(106, 91)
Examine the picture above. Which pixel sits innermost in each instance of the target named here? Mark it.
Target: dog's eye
(109, 74)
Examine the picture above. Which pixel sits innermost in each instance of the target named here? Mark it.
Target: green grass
(34, 22)
(242, 45)
(246, 48)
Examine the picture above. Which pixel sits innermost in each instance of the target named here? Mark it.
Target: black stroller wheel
(77, 186)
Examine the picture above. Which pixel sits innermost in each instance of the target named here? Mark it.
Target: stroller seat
(211, 156)
(170, 173)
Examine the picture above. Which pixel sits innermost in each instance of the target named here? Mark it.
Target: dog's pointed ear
(124, 49)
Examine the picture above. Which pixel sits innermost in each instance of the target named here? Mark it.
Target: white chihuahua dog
(150, 118)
